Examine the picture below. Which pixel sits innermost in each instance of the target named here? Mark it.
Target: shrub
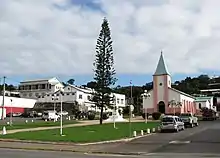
(91, 116)
(156, 115)
(105, 116)
(143, 115)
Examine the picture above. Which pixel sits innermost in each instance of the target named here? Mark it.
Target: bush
(143, 115)
(156, 115)
(105, 116)
(91, 116)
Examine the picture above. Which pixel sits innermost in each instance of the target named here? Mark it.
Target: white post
(114, 111)
(145, 110)
(11, 114)
(61, 115)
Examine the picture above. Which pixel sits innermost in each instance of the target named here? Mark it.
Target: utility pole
(3, 99)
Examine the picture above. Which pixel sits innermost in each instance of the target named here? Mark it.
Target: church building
(165, 99)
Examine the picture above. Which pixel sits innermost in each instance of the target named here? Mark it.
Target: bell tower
(161, 85)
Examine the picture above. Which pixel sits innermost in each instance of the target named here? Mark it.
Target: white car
(173, 123)
(50, 115)
(64, 113)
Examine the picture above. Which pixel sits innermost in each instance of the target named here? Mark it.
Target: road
(202, 141)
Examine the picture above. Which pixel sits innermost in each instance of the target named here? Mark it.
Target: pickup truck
(189, 119)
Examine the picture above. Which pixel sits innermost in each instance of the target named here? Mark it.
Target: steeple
(161, 67)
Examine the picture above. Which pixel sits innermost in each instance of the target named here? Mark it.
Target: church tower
(161, 85)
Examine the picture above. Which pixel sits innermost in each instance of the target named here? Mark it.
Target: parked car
(50, 115)
(64, 113)
(173, 123)
(189, 119)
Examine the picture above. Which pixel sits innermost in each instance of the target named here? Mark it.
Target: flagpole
(131, 102)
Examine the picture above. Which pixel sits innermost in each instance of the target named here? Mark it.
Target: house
(15, 104)
(81, 95)
(205, 102)
(163, 98)
(35, 88)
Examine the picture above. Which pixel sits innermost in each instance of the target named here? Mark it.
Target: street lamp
(114, 111)
(175, 104)
(54, 98)
(61, 113)
(145, 96)
(11, 113)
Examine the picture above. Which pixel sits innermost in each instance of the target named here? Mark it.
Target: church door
(161, 107)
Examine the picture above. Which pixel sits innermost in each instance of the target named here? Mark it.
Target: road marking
(179, 142)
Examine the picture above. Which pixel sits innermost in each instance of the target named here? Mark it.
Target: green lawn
(90, 133)
(19, 125)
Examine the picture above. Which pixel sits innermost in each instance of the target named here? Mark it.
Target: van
(50, 115)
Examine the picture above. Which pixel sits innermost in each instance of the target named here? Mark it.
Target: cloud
(58, 36)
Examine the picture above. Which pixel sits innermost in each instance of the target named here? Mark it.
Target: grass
(35, 124)
(91, 133)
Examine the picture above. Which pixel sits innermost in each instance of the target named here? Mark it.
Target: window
(73, 93)
(30, 94)
(68, 88)
(122, 101)
(200, 105)
(80, 96)
(117, 101)
(161, 84)
(67, 94)
(88, 97)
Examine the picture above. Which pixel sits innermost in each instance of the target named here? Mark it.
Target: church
(165, 99)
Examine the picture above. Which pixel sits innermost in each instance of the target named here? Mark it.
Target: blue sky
(58, 38)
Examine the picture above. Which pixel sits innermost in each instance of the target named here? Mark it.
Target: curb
(74, 151)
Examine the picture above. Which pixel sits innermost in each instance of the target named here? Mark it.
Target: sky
(57, 38)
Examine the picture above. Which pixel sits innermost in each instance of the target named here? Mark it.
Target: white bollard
(45, 120)
(158, 128)
(69, 118)
(4, 132)
(8, 123)
(26, 121)
(32, 120)
(153, 130)
(134, 133)
(148, 131)
(142, 132)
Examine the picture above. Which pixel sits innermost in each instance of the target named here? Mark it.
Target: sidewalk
(81, 123)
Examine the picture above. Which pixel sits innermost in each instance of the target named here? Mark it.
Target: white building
(165, 99)
(205, 102)
(35, 88)
(81, 95)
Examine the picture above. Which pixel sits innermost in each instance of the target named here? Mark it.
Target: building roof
(188, 95)
(202, 99)
(161, 67)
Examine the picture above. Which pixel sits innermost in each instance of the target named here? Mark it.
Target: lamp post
(61, 113)
(11, 113)
(114, 111)
(175, 104)
(145, 96)
(54, 98)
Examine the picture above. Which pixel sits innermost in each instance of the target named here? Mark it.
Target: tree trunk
(101, 116)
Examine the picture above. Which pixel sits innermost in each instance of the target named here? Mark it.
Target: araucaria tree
(104, 70)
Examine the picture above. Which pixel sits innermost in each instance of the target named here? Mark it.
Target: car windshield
(167, 119)
(185, 115)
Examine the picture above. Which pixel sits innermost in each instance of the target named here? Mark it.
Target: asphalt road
(202, 141)
(197, 141)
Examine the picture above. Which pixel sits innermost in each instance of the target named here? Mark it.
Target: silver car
(173, 123)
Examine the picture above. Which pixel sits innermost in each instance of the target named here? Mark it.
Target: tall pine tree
(104, 70)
